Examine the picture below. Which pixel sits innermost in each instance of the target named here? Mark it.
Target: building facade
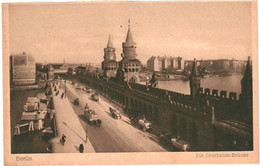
(23, 69)
(159, 64)
(218, 65)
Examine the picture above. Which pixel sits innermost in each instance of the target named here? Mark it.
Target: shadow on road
(82, 117)
(76, 147)
(126, 121)
(74, 131)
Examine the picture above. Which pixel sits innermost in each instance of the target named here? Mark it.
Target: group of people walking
(63, 137)
(57, 91)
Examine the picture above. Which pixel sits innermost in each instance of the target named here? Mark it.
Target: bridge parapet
(191, 110)
(223, 95)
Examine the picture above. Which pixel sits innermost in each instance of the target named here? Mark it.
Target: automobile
(89, 90)
(76, 101)
(180, 144)
(94, 97)
(145, 125)
(115, 113)
(78, 87)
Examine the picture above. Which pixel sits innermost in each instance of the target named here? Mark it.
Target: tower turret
(109, 65)
(246, 95)
(131, 66)
(129, 46)
(194, 80)
(109, 51)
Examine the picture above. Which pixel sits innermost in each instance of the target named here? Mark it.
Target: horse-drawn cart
(92, 117)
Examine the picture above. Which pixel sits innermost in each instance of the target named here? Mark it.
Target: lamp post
(65, 88)
(60, 82)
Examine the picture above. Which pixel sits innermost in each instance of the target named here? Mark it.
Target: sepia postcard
(130, 82)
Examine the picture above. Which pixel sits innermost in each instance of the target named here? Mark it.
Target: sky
(78, 32)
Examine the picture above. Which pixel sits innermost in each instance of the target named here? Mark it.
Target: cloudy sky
(79, 32)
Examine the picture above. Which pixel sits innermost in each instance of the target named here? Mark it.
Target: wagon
(92, 117)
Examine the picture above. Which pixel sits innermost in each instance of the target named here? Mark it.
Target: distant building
(164, 63)
(60, 68)
(237, 65)
(218, 65)
(23, 69)
(79, 70)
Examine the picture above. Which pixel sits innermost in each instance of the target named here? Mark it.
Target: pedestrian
(62, 95)
(63, 139)
(81, 148)
(49, 149)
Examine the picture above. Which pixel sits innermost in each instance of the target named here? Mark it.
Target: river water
(225, 83)
(27, 143)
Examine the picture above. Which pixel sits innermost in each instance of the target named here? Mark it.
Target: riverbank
(31, 141)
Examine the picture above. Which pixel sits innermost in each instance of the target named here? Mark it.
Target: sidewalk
(68, 124)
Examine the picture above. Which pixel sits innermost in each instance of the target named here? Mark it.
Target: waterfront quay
(29, 141)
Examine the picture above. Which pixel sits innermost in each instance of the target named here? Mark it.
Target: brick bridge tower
(194, 80)
(130, 64)
(109, 65)
(246, 95)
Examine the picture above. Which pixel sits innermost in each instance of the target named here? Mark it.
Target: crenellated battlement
(223, 95)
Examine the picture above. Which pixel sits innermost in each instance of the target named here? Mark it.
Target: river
(27, 143)
(225, 83)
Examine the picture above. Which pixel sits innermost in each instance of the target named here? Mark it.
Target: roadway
(114, 135)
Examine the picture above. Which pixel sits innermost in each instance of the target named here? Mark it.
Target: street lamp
(60, 82)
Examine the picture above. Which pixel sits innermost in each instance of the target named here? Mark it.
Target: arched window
(132, 80)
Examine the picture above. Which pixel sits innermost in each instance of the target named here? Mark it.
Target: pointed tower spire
(129, 38)
(246, 81)
(110, 42)
(194, 71)
(246, 96)
(248, 70)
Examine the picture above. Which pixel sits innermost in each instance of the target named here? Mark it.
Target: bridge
(208, 121)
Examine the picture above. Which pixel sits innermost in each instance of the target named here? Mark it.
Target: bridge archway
(132, 80)
(183, 128)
